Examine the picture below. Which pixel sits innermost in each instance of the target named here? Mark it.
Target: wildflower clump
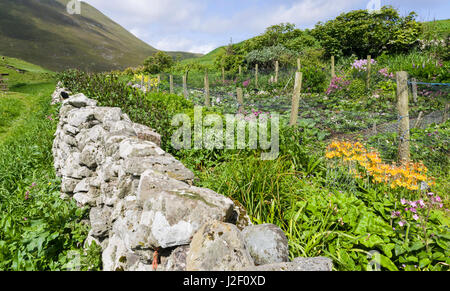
(361, 65)
(337, 84)
(410, 175)
(145, 83)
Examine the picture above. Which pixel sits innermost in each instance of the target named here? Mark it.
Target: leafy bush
(363, 33)
(314, 79)
(158, 62)
(266, 57)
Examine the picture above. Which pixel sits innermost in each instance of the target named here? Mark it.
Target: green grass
(10, 110)
(38, 230)
(438, 28)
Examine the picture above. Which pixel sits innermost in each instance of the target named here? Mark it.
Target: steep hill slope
(44, 33)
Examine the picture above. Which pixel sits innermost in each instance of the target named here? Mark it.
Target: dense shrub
(158, 62)
(363, 33)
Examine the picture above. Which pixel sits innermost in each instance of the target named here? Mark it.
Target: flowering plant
(408, 176)
(338, 84)
(385, 73)
(361, 65)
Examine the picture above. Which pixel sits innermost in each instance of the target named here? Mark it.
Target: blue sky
(202, 25)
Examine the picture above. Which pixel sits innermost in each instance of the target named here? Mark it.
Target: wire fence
(430, 101)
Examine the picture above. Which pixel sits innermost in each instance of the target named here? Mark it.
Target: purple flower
(403, 201)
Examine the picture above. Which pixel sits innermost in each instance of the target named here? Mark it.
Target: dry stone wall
(144, 207)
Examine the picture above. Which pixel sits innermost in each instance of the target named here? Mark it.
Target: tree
(267, 56)
(230, 58)
(158, 62)
(363, 33)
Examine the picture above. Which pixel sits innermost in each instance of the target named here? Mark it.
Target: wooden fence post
(369, 67)
(171, 84)
(296, 98)
(223, 75)
(256, 75)
(185, 90)
(159, 81)
(333, 69)
(403, 111)
(240, 70)
(299, 65)
(419, 119)
(277, 68)
(240, 96)
(207, 98)
(414, 89)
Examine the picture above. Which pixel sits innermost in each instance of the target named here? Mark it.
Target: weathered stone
(132, 148)
(218, 246)
(60, 94)
(164, 164)
(174, 211)
(92, 135)
(72, 168)
(266, 243)
(83, 186)
(107, 114)
(91, 156)
(177, 259)
(80, 100)
(71, 130)
(68, 184)
(100, 221)
(299, 264)
(115, 254)
(145, 133)
(83, 116)
(84, 199)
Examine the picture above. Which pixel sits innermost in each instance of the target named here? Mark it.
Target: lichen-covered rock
(100, 221)
(173, 211)
(218, 246)
(165, 164)
(266, 243)
(79, 101)
(177, 259)
(299, 264)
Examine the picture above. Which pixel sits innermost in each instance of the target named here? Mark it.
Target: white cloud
(151, 11)
(184, 44)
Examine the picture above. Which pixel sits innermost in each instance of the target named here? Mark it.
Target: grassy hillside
(42, 32)
(438, 28)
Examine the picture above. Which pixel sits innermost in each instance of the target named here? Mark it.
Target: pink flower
(416, 217)
(402, 223)
(404, 202)
(421, 203)
(413, 204)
